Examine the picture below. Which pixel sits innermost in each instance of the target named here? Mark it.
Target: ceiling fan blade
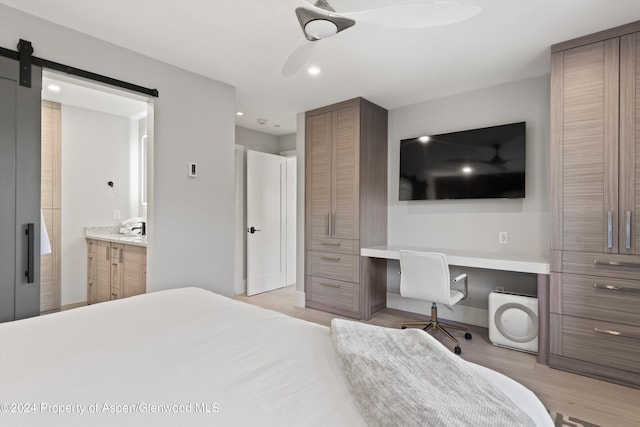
(417, 15)
(299, 55)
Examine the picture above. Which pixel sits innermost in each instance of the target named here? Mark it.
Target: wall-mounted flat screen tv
(487, 163)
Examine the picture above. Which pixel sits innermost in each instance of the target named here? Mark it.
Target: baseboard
(72, 305)
(300, 299)
(460, 313)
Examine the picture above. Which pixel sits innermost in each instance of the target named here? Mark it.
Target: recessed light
(424, 139)
(262, 121)
(239, 113)
(314, 71)
(467, 169)
(53, 88)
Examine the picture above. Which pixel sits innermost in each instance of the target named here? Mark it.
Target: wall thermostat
(193, 170)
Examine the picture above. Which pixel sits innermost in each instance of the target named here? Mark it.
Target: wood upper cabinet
(319, 154)
(346, 205)
(333, 156)
(629, 199)
(595, 163)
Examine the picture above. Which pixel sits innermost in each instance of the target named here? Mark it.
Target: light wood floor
(608, 405)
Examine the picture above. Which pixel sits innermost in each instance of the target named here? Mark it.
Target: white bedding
(212, 360)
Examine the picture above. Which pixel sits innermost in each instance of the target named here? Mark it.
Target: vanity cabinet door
(102, 262)
(134, 270)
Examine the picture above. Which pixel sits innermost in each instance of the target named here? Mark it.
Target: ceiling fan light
(320, 28)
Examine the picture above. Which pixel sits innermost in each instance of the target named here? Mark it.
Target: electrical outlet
(503, 237)
(116, 214)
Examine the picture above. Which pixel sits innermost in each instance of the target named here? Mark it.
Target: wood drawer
(334, 293)
(343, 267)
(598, 264)
(612, 300)
(344, 246)
(603, 343)
(92, 247)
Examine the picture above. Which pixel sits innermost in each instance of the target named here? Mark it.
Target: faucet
(143, 229)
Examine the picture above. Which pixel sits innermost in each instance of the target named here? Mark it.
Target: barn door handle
(30, 232)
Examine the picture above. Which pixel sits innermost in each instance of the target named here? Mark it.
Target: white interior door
(266, 226)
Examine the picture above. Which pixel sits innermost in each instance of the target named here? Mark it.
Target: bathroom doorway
(97, 151)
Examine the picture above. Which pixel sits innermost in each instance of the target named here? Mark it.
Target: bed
(184, 357)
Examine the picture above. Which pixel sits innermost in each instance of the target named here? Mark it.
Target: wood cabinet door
(346, 160)
(585, 94)
(134, 270)
(102, 261)
(92, 270)
(318, 174)
(629, 231)
(117, 270)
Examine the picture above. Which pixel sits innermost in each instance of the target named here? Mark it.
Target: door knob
(252, 230)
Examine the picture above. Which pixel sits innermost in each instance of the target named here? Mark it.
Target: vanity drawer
(603, 343)
(334, 293)
(606, 265)
(335, 266)
(608, 299)
(345, 246)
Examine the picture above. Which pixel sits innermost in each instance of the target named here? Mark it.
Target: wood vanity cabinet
(114, 270)
(595, 179)
(345, 202)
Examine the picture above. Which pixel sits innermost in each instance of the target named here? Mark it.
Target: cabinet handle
(114, 295)
(615, 288)
(328, 224)
(329, 285)
(609, 229)
(330, 243)
(617, 263)
(330, 258)
(333, 226)
(616, 333)
(628, 230)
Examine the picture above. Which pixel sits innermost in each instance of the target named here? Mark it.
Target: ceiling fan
(319, 21)
(496, 161)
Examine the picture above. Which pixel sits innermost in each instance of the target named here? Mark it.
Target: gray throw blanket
(407, 378)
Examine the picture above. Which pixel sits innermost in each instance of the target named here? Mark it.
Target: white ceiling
(90, 96)
(245, 43)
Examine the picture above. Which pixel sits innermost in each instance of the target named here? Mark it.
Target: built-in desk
(375, 257)
(519, 263)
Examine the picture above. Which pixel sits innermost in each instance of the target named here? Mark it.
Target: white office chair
(425, 276)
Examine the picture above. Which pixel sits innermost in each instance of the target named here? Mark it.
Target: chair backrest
(425, 276)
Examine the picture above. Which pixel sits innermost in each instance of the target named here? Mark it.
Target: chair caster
(457, 350)
(403, 327)
(467, 336)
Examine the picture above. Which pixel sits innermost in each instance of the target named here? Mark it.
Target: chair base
(435, 324)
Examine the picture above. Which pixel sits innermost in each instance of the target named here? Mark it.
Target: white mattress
(181, 357)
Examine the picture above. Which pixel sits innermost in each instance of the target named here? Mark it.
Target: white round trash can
(513, 321)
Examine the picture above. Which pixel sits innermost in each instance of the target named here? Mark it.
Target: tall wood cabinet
(50, 201)
(346, 205)
(114, 270)
(595, 176)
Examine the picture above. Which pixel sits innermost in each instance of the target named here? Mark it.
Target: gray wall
(287, 142)
(474, 224)
(191, 225)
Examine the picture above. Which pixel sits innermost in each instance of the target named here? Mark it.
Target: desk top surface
(475, 259)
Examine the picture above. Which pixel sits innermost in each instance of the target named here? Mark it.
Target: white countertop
(110, 234)
(491, 261)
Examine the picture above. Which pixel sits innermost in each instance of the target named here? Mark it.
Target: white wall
(191, 223)
(474, 224)
(95, 150)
